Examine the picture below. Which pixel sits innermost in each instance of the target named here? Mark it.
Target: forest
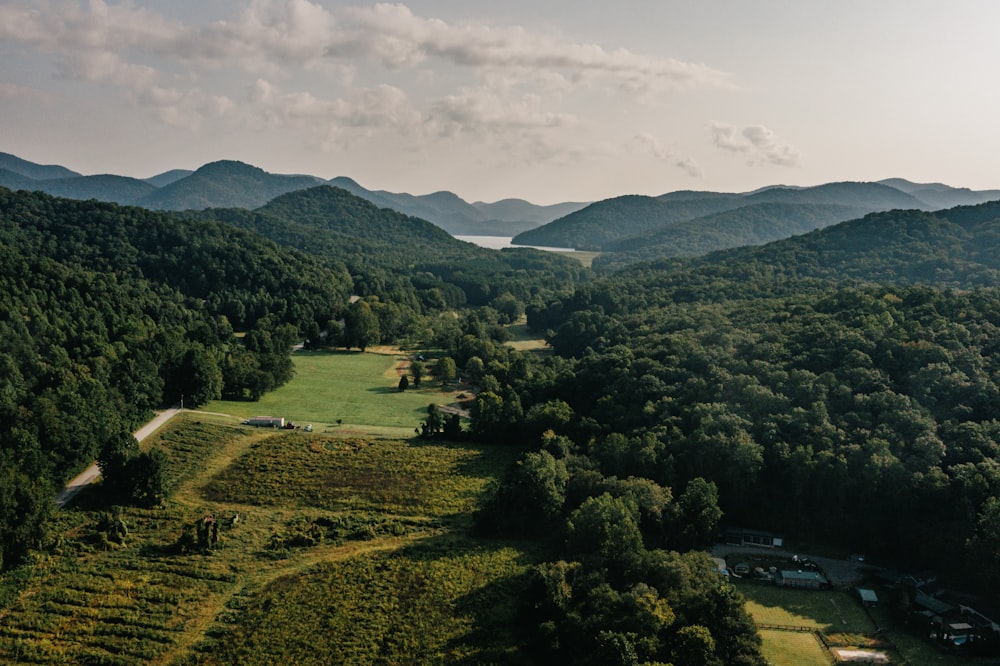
(840, 387)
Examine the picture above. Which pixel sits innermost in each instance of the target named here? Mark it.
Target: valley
(492, 456)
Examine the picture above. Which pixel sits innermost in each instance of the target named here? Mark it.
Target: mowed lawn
(832, 612)
(357, 389)
(793, 648)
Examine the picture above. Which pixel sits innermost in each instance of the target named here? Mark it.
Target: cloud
(658, 150)
(333, 122)
(759, 143)
(355, 69)
(396, 37)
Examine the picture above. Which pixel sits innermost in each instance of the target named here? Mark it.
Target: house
(807, 580)
(266, 421)
(744, 537)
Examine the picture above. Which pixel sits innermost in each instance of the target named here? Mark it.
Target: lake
(500, 242)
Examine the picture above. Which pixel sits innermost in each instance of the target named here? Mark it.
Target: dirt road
(90, 474)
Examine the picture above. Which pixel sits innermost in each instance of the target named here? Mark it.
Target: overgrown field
(333, 536)
(345, 391)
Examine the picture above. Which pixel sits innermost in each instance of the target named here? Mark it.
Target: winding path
(90, 474)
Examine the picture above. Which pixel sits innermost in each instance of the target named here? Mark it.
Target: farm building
(266, 421)
(868, 597)
(808, 580)
(744, 537)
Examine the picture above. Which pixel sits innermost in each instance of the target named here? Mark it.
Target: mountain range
(664, 225)
(233, 184)
(625, 229)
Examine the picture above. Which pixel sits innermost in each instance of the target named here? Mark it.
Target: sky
(544, 100)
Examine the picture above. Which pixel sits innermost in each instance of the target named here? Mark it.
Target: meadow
(345, 391)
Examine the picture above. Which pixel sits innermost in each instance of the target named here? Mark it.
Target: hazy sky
(548, 100)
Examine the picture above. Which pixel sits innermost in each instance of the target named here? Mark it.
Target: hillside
(458, 217)
(224, 184)
(384, 247)
(230, 184)
(168, 177)
(600, 225)
(104, 187)
(34, 171)
(754, 224)
(939, 195)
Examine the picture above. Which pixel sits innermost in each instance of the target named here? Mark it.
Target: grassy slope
(359, 389)
(343, 541)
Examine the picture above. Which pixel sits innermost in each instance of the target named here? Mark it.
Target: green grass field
(793, 648)
(359, 390)
(839, 617)
(831, 612)
(348, 546)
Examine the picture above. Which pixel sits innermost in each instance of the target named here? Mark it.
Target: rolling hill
(600, 225)
(754, 224)
(232, 184)
(34, 171)
(954, 248)
(224, 184)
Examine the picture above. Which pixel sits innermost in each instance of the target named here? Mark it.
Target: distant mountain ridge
(233, 184)
(600, 225)
(633, 227)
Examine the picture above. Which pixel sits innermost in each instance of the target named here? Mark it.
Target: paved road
(90, 474)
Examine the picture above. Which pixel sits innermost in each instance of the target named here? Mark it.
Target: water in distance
(500, 242)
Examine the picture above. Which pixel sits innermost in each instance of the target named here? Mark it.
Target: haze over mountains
(626, 229)
(232, 184)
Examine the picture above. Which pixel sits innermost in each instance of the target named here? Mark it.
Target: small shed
(266, 421)
(807, 580)
(868, 597)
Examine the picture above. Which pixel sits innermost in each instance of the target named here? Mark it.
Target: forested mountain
(104, 187)
(391, 254)
(224, 184)
(602, 224)
(16, 181)
(230, 184)
(111, 311)
(457, 217)
(755, 224)
(167, 177)
(939, 195)
(34, 171)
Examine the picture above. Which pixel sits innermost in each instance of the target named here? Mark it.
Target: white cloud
(660, 151)
(396, 37)
(759, 143)
(364, 112)
(505, 84)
